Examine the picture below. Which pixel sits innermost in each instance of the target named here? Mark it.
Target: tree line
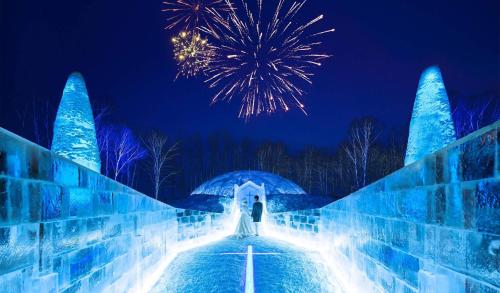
(359, 160)
(156, 165)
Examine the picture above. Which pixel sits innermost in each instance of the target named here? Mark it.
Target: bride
(244, 228)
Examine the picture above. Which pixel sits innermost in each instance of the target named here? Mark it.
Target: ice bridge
(432, 226)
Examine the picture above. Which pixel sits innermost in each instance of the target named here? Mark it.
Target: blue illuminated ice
(224, 185)
(431, 126)
(74, 129)
(222, 266)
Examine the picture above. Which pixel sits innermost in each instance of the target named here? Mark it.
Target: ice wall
(65, 228)
(431, 126)
(193, 224)
(74, 130)
(432, 226)
(296, 223)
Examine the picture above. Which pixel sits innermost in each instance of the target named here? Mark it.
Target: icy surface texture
(432, 226)
(296, 222)
(194, 224)
(224, 184)
(220, 267)
(66, 228)
(431, 126)
(276, 203)
(74, 130)
(203, 202)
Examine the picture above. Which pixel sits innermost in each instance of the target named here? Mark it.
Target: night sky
(122, 50)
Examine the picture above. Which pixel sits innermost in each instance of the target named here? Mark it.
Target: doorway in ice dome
(247, 191)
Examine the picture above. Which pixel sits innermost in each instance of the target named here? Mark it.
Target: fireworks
(190, 14)
(262, 57)
(263, 61)
(192, 53)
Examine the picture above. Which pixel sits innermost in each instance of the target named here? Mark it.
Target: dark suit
(257, 211)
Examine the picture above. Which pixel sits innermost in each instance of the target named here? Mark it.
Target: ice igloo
(277, 193)
(224, 184)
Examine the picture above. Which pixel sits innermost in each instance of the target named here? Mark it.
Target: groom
(256, 214)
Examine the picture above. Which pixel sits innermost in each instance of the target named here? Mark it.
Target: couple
(244, 228)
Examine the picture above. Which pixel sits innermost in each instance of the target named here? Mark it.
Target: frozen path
(221, 267)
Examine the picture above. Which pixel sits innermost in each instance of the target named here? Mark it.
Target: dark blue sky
(121, 48)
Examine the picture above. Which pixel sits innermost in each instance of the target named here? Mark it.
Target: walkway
(222, 267)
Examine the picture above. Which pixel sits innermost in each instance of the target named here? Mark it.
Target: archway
(247, 191)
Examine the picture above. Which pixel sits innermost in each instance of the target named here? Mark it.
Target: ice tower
(74, 129)
(431, 126)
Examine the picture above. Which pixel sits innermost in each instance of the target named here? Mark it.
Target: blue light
(431, 126)
(74, 129)
(249, 286)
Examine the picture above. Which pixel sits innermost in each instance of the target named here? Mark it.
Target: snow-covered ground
(221, 267)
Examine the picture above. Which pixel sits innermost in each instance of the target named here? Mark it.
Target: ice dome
(223, 185)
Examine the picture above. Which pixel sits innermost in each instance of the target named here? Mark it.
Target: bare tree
(43, 117)
(322, 173)
(159, 157)
(306, 168)
(126, 150)
(469, 118)
(361, 138)
(104, 140)
(104, 134)
(340, 170)
(385, 158)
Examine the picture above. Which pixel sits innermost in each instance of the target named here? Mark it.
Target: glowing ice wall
(74, 130)
(431, 126)
(432, 226)
(65, 228)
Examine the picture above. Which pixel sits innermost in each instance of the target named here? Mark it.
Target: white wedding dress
(244, 227)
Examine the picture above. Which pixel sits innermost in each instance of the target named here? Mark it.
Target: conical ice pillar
(431, 126)
(74, 129)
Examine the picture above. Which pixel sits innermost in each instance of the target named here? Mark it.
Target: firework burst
(263, 60)
(192, 53)
(191, 14)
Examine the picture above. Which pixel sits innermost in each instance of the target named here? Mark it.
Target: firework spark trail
(192, 53)
(262, 61)
(191, 14)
